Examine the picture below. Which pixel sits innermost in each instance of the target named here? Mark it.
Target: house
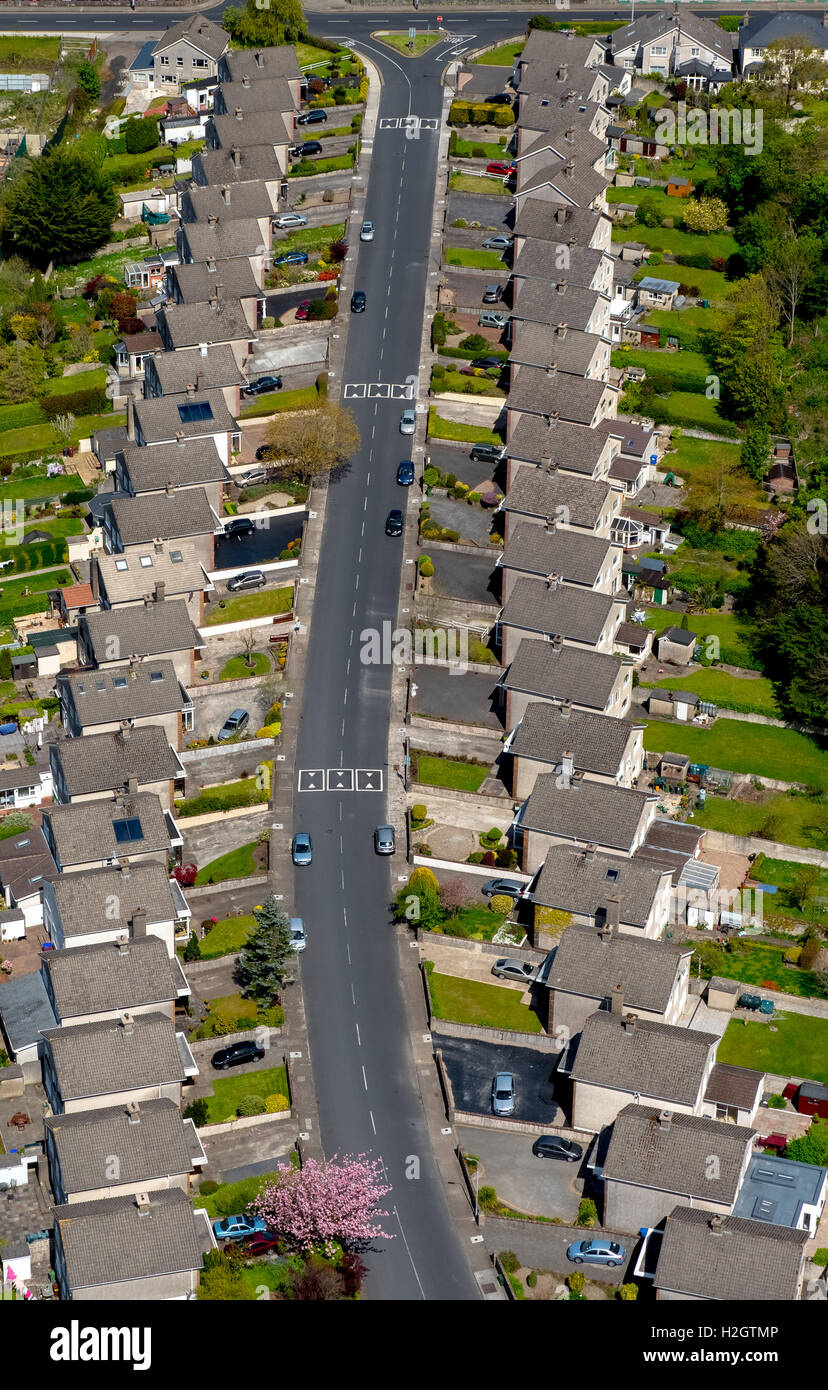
(102, 765)
(569, 741)
(212, 323)
(558, 302)
(621, 1060)
(555, 446)
(654, 293)
(783, 1193)
(548, 392)
(550, 609)
(26, 864)
(677, 645)
(238, 164)
(612, 819)
(192, 415)
(634, 641)
(584, 266)
(90, 984)
(95, 1065)
(262, 64)
(25, 786)
(587, 563)
(584, 506)
(205, 368)
(194, 463)
(756, 32)
(558, 224)
(132, 351)
(197, 282)
(594, 890)
(101, 905)
(569, 181)
(604, 968)
(559, 54)
(657, 1159)
(591, 680)
(539, 345)
(251, 128)
(75, 599)
(158, 628)
(131, 1249)
(104, 701)
(132, 523)
(225, 237)
(677, 846)
(166, 569)
(733, 1094)
(189, 49)
(250, 97)
(661, 43)
(94, 834)
(704, 1256)
(156, 1149)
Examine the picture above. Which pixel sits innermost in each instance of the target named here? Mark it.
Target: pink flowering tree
(322, 1205)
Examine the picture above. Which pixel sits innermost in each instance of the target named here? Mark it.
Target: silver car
(506, 969)
(298, 935)
(503, 1093)
(385, 841)
(408, 422)
(367, 232)
(291, 219)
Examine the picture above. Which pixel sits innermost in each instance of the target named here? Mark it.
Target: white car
(367, 232)
(290, 219)
(298, 935)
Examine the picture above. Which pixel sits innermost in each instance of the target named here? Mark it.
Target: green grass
(473, 923)
(784, 874)
(231, 795)
(303, 398)
(789, 820)
(485, 1006)
(309, 238)
(732, 632)
(267, 603)
(678, 242)
(227, 936)
(306, 168)
(711, 284)
(758, 750)
(238, 863)
(237, 668)
(478, 260)
(11, 590)
(42, 437)
(437, 771)
(502, 57)
(684, 324)
(799, 1047)
(19, 54)
(757, 963)
(474, 183)
(438, 428)
(691, 454)
(730, 692)
(695, 169)
(679, 365)
(229, 1090)
(233, 1197)
(307, 54)
(665, 205)
(483, 385)
(465, 149)
(400, 41)
(691, 410)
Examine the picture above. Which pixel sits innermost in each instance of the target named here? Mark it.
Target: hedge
(87, 400)
(225, 798)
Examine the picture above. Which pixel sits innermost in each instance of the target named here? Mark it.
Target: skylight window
(612, 875)
(121, 565)
(119, 682)
(195, 410)
(156, 675)
(146, 562)
(176, 557)
(127, 829)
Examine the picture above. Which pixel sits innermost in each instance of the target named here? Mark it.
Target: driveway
(270, 537)
(474, 523)
(472, 1065)
(492, 212)
(203, 843)
(465, 575)
(469, 698)
(479, 477)
(246, 1153)
(541, 1246)
(213, 707)
(537, 1186)
(280, 304)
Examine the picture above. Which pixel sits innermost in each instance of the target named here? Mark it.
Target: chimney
(158, 547)
(132, 786)
(225, 193)
(617, 996)
(556, 643)
(202, 349)
(552, 581)
(589, 852)
(124, 868)
(717, 1221)
(569, 135)
(235, 155)
(124, 732)
(134, 1112)
(567, 766)
(560, 215)
(139, 924)
(239, 114)
(665, 1117)
(552, 418)
(128, 1023)
(548, 464)
(552, 369)
(130, 418)
(160, 590)
(259, 58)
(123, 945)
(562, 72)
(551, 525)
(142, 1201)
(566, 709)
(630, 1022)
(246, 80)
(561, 330)
(561, 287)
(211, 264)
(569, 169)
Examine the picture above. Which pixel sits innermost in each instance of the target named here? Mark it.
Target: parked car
(367, 231)
(497, 243)
(408, 422)
(503, 1093)
(506, 887)
(263, 383)
(238, 527)
(487, 362)
(260, 1245)
(290, 219)
(492, 294)
(508, 969)
(315, 117)
(264, 452)
(497, 166)
(491, 318)
(394, 522)
(486, 453)
(248, 579)
(405, 473)
(310, 147)
(301, 849)
(298, 938)
(358, 302)
(385, 841)
(291, 258)
(596, 1252)
(555, 1146)
(234, 1227)
(302, 309)
(237, 1055)
(235, 723)
(255, 478)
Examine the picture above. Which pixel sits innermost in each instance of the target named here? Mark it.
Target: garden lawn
(465, 149)
(684, 324)
(665, 206)
(756, 963)
(679, 365)
(303, 398)
(678, 243)
(224, 1009)
(438, 428)
(473, 923)
(436, 771)
(478, 260)
(485, 1006)
(32, 438)
(265, 604)
(28, 54)
(238, 863)
(466, 385)
(228, 1091)
(730, 692)
(789, 820)
(504, 55)
(732, 632)
(784, 874)
(309, 238)
(711, 284)
(237, 669)
(230, 796)
(799, 1047)
(691, 410)
(233, 1197)
(306, 168)
(474, 183)
(693, 454)
(308, 55)
(40, 489)
(758, 750)
(227, 936)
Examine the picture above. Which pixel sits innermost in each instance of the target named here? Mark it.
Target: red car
(500, 168)
(261, 1245)
(303, 309)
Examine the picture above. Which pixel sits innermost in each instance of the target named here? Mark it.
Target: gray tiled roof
(149, 629)
(635, 441)
(577, 882)
(84, 831)
(596, 742)
(25, 861)
(97, 1059)
(541, 301)
(195, 282)
(747, 1261)
(554, 114)
(217, 364)
(83, 899)
(676, 1157)
(151, 1145)
(535, 217)
(219, 166)
(591, 812)
(272, 95)
(729, 1085)
(551, 47)
(25, 1009)
(260, 63)
(227, 203)
(114, 1241)
(561, 138)
(553, 82)
(125, 579)
(571, 446)
(626, 470)
(539, 344)
(105, 762)
(142, 697)
(164, 516)
(160, 417)
(575, 182)
(585, 677)
(579, 615)
(199, 31)
(532, 549)
(657, 1060)
(647, 28)
(97, 979)
(535, 493)
(254, 128)
(184, 464)
(188, 325)
(533, 262)
(587, 964)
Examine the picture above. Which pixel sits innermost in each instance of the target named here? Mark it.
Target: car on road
(405, 473)
(492, 294)
(290, 219)
(358, 302)
(315, 117)
(234, 1227)
(497, 166)
(301, 849)
(248, 579)
(505, 887)
(291, 258)
(508, 969)
(497, 243)
(302, 309)
(394, 522)
(487, 362)
(596, 1252)
(555, 1146)
(238, 527)
(385, 841)
(261, 384)
(235, 723)
(503, 1093)
(260, 1245)
(309, 147)
(298, 937)
(264, 453)
(366, 231)
(237, 1055)
(408, 422)
(486, 453)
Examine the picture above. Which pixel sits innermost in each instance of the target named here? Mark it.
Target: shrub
(777, 1102)
(268, 321)
(432, 476)
(419, 812)
(276, 1103)
(251, 1105)
(509, 1261)
(489, 861)
(576, 1281)
(197, 1111)
(141, 134)
(628, 1293)
(476, 857)
(192, 950)
(207, 1188)
(322, 383)
(820, 1256)
(506, 858)
(501, 904)
(426, 566)
(532, 1279)
(587, 1212)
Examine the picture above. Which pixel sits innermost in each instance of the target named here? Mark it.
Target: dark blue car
(405, 473)
(292, 258)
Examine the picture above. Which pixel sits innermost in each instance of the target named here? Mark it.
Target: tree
(283, 21)
(22, 368)
(141, 134)
(705, 215)
(811, 1147)
(792, 267)
(419, 901)
(249, 643)
(59, 209)
(88, 80)
(316, 1280)
(326, 1203)
(314, 442)
(789, 66)
(755, 451)
(264, 961)
(222, 1280)
(62, 427)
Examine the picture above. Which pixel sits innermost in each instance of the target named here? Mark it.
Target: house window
(165, 62)
(199, 62)
(146, 562)
(179, 62)
(119, 682)
(127, 829)
(195, 410)
(659, 50)
(694, 52)
(121, 565)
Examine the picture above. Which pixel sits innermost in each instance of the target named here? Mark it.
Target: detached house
(190, 49)
(677, 44)
(569, 741)
(629, 896)
(157, 1150)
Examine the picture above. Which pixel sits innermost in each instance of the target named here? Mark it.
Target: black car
(486, 453)
(264, 453)
(394, 522)
(263, 383)
(358, 302)
(239, 526)
(405, 473)
(315, 117)
(487, 362)
(555, 1146)
(236, 1055)
(310, 147)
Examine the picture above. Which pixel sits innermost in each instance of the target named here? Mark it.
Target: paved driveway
(474, 523)
(472, 1065)
(212, 709)
(469, 698)
(465, 575)
(491, 211)
(538, 1186)
(270, 537)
